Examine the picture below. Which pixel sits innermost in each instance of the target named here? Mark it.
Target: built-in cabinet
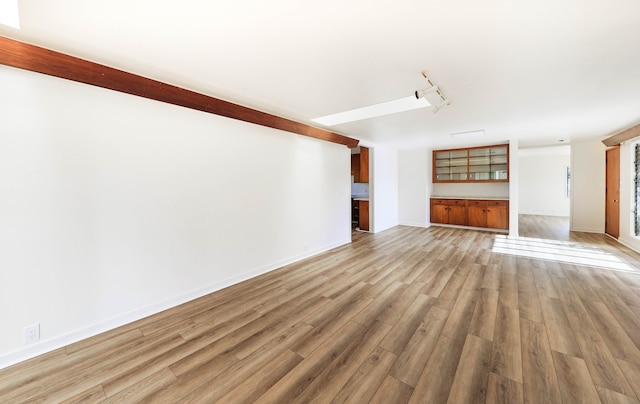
(491, 214)
(360, 166)
(355, 167)
(364, 164)
(473, 164)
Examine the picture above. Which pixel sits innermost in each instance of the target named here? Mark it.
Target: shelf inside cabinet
(488, 163)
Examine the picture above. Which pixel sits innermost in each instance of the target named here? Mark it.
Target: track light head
(432, 94)
(421, 93)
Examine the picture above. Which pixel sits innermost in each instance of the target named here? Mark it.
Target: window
(636, 205)
(568, 187)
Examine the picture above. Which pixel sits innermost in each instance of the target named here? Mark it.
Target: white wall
(414, 180)
(471, 190)
(514, 189)
(114, 207)
(383, 191)
(588, 171)
(542, 180)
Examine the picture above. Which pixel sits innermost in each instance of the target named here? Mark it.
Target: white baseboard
(586, 230)
(415, 224)
(60, 341)
(627, 244)
(553, 214)
(376, 230)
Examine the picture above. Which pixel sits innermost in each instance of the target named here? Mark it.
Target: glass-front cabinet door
(476, 164)
(451, 165)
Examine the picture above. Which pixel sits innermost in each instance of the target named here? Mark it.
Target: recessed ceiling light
(468, 135)
(9, 13)
(372, 111)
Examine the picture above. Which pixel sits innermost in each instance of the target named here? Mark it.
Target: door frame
(612, 193)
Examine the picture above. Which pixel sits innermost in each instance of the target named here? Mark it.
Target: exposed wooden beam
(620, 137)
(29, 57)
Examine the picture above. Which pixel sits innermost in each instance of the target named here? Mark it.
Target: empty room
(362, 202)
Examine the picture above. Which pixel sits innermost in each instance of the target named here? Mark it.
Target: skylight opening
(9, 13)
(372, 111)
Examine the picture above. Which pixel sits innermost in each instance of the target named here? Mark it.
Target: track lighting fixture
(432, 94)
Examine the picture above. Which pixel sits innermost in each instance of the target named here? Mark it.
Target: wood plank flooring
(409, 315)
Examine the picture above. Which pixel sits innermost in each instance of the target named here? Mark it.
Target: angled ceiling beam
(29, 57)
(620, 137)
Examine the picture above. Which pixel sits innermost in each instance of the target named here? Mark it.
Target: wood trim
(40, 60)
(612, 193)
(474, 147)
(620, 137)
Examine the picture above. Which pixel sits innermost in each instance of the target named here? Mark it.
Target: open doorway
(544, 187)
(360, 202)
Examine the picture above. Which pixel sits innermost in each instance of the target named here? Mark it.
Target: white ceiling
(534, 70)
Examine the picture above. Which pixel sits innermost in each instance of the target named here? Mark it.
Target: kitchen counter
(359, 198)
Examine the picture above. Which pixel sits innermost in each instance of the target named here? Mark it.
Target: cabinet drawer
(457, 202)
(439, 201)
(503, 204)
(479, 204)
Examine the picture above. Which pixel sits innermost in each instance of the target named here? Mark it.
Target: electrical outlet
(31, 333)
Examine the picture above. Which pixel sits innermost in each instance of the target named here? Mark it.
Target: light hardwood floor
(407, 315)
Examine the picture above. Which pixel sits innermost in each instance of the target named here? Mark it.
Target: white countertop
(484, 198)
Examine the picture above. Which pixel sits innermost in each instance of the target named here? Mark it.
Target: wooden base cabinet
(360, 214)
(492, 214)
(477, 211)
(363, 219)
(449, 211)
(439, 212)
(498, 215)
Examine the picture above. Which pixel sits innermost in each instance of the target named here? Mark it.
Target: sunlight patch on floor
(559, 251)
